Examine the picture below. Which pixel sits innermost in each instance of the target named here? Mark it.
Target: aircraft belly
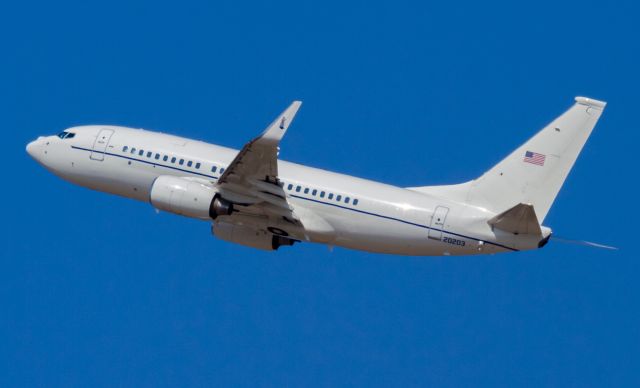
(380, 235)
(384, 235)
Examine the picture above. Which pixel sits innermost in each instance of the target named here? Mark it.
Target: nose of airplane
(32, 149)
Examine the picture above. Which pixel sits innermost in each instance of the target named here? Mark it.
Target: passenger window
(133, 150)
(314, 192)
(338, 198)
(290, 186)
(330, 195)
(141, 152)
(189, 163)
(197, 166)
(322, 194)
(149, 153)
(173, 160)
(298, 189)
(214, 168)
(346, 200)
(355, 202)
(165, 158)
(221, 170)
(306, 190)
(125, 148)
(181, 162)
(157, 156)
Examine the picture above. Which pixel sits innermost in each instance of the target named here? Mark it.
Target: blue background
(98, 290)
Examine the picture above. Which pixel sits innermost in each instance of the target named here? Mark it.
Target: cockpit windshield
(66, 135)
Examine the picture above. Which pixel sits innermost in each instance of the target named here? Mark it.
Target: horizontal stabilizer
(520, 219)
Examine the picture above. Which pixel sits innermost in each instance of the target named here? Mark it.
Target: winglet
(279, 126)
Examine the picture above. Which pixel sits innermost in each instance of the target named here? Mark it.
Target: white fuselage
(377, 217)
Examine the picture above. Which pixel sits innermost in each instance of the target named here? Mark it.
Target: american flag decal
(534, 158)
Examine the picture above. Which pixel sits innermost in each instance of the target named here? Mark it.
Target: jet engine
(250, 237)
(188, 198)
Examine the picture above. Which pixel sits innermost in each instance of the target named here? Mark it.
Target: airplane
(252, 198)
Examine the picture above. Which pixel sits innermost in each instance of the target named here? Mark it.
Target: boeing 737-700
(250, 197)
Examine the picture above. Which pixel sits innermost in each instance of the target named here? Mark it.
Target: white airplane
(252, 198)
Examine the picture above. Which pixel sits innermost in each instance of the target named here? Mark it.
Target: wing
(258, 159)
(251, 181)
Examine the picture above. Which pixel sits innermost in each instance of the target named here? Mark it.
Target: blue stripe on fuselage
(306, 199)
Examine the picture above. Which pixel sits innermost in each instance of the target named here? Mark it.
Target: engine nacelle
(248, 236)
(183, 196)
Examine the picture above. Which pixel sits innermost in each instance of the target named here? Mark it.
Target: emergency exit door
(437, 222)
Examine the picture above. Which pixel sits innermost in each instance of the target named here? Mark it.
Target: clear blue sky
(98, 290)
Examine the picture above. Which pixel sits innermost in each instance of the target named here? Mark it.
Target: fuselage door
(437, 222)
(100, 144)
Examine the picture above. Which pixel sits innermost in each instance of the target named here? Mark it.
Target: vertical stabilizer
(534, 173)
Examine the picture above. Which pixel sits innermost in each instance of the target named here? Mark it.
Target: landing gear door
(437, 222)
(100, 144)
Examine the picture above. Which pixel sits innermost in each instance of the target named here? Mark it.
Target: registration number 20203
(453, 241)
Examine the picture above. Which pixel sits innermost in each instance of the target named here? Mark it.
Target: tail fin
(533, 173)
